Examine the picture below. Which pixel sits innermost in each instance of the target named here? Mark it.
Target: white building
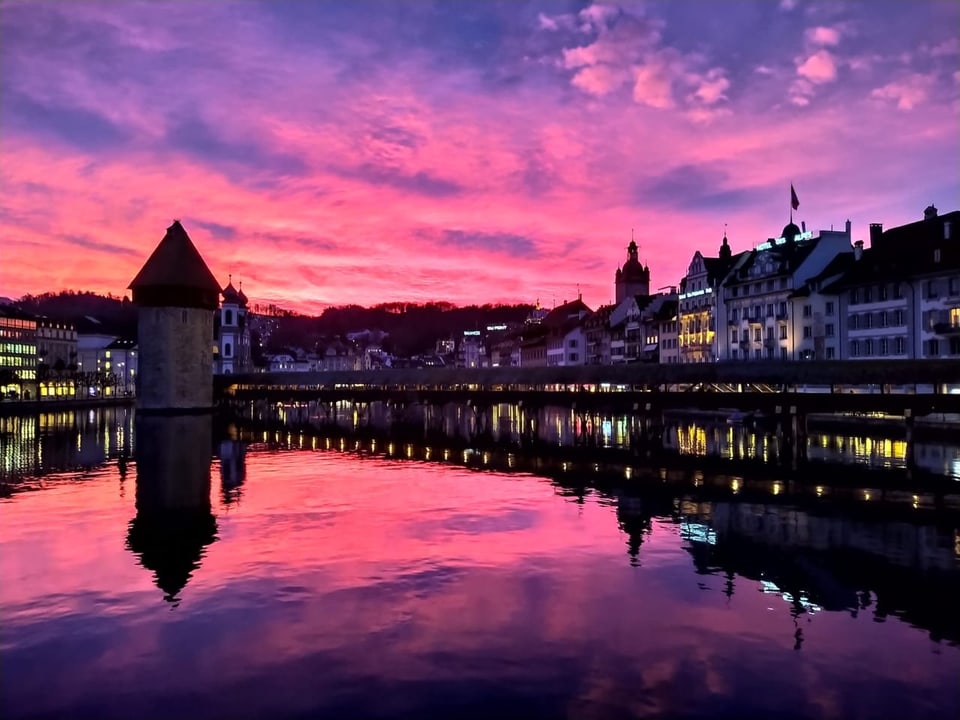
(233, 353)
(761, 321)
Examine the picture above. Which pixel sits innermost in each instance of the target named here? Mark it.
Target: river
(178, 567)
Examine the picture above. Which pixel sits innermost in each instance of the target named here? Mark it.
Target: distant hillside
(411, 328)
(118, 315)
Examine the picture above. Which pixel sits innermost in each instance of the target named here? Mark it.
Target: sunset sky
(327, 153)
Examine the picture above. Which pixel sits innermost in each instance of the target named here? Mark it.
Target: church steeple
(724, 246)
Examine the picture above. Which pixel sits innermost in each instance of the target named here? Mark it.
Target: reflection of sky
(364, 587)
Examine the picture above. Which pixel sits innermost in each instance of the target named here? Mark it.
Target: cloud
(712, 86)
(218, 230)
(907, 93)
(75, 126)
(88, 243)
(788, 5)
(818, 68)
(496, 243)
(652, 86)
(948, 47)
(420, 182)
(823, 36)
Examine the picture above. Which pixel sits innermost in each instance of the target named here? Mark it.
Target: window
(884, 346)
(953, 286)
(897, 292)
(228, 320)
(769, 285)
(733, 337)
(854, 322)
(746, 336)
(829, 309)
(867, 321)
(783, 332)
(831, 353)
(770, 333)
(854, 296)
(882, 292)
(783, 353)
(868, 346)
(227, 350)
(807, 331)
(783, 283)
(807, 311)
(733, 292)
(882, 317)
(757, 335)
(933, 347)
(931, 289)
(572, 343)
(733, 353)
(829, 330)
(757, 354)
(898, 318)
(955, 346)
(757, 312)
(854, 348)
(573, 357)
(734, 314)
(901, 345)
(868, 294)
(769, 309)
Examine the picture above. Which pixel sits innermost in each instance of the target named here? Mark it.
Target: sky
(326, 153)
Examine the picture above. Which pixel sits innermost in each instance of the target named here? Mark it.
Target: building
(820, 319)
(56, 344)
(597, 336)
(900, 298)
(669, 341)
(757, 318)
(697, 305)
(18, 353)
(177, 297)
(232, 352)
(558, 339)
(633, 278)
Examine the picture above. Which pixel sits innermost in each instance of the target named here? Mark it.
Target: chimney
(876, 230)
(858, 250)
(803, 226)
(930, 212)
(848, 229)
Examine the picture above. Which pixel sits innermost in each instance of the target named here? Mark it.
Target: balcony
(745, 344)
(781, 317)
(945, 328)
(770, 343)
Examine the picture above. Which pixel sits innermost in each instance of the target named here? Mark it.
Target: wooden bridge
(906, 388)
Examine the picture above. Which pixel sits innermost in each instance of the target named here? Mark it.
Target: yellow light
(777, 487)
(866, 494)
(735, 485)
(819, 490)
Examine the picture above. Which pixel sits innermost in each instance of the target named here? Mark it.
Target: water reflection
(174, 522)
(694, 434)
(377, 576)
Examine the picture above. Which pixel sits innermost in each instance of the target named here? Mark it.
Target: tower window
(229, 318)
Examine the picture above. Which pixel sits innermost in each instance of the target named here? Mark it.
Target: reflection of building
(18, 352)
(233, 456)
(174, 522)
(177, 295)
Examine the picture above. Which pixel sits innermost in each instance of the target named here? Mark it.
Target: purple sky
(337, 152)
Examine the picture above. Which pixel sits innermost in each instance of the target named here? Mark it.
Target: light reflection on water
(357, 579)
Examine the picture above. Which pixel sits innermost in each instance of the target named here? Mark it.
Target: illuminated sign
(695, 293)
(781, 241)
(471, 332)
(496, 327)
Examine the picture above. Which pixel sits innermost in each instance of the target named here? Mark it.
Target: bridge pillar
(908, 421)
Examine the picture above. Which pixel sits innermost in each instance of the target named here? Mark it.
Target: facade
(759, 313)
(669, 340)
(18, 353)
(56, 343)
(177, 297)
(597, 336)
(901, 297)
(697, 311)
(232, 351)
(558, 339)
(633, 278)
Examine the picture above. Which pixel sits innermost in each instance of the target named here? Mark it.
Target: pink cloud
(907, 93)
(820, 67)
(823, 36)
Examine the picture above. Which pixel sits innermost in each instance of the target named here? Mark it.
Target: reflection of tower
(233, 455)
(173, 522)
(635, 523)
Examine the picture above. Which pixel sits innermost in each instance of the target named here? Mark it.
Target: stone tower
(177, 296)
(633, 278)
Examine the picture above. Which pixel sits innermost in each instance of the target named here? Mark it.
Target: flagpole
(791, 202)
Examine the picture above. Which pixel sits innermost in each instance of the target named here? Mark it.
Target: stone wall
(176, 358)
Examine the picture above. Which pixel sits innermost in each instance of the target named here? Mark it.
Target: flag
(794, 202)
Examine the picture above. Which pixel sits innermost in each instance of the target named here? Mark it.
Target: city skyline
(326, 154)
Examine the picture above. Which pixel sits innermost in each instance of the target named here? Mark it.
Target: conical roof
(176, 263)
(230, 294)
